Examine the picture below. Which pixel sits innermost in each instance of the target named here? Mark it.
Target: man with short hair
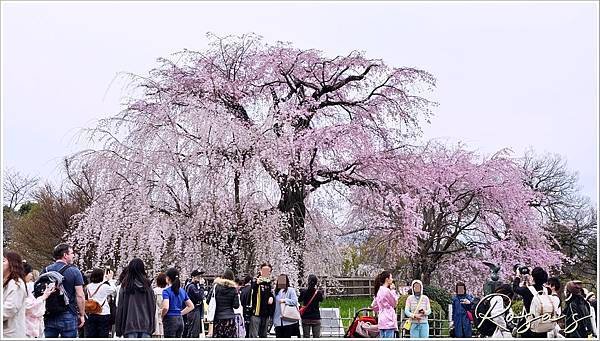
(65, 323)
(262, 307)
(195, 291)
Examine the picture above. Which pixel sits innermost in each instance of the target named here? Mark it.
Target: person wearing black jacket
(195, 291)
(227, 299)
(311, 315)
(540, 277)
(245, 300)
(578, 323)
(135, 315)
(261, 300)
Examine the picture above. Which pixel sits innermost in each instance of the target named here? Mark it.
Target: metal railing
(438, 325)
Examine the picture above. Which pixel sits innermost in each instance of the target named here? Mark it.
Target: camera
(523, 269)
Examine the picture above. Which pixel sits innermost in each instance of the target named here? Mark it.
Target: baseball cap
(197, 273)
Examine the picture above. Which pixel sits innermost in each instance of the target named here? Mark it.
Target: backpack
(542, 309)
(57, 302)
(484, 327)
(91, 305)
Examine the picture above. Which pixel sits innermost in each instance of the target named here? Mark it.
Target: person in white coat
(161, 284)
(501, 309)
(13, 296)
(99, 289)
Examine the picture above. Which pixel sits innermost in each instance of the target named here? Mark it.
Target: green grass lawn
(347, 306)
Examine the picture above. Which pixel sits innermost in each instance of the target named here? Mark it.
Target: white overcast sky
(515, 75)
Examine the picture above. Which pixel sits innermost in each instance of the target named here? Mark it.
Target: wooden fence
(348, 286)
(338, 286)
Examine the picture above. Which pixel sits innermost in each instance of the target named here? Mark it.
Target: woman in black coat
(578, 322)
(227, 299)
(136, 304)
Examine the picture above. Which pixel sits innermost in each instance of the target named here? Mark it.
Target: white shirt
(101, 296)
(498, 307)
(13, 316)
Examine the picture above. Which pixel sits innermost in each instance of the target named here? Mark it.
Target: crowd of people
(61, 301)
(571, 315)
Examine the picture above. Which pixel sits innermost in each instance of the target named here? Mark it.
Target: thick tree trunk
(422, 270)
(233, 239)
(234, 261)
(292, 204)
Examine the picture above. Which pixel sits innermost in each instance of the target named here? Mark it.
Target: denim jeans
(173, 326)
(419, 330)
(259, 326)
(62, 325)
(140, 335)
(386, 333)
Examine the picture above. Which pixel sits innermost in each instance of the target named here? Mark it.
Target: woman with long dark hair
(385, 303)
(135, 316)
(227, 299)
(311, 316)
(577, 313)
(13, 296)
(174, 299)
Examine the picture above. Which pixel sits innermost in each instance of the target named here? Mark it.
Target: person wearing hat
(195, 291)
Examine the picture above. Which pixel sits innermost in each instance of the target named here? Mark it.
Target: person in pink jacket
(384, 305)
(34, 307)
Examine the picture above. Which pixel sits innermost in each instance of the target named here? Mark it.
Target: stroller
(363, 326)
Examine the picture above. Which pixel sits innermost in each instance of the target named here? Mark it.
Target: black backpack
(487, 328)
(55, 303)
